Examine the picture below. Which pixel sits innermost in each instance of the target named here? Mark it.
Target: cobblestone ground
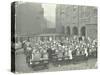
(22, 67)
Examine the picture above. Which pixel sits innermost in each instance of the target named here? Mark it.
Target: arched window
(75, 31)
(83, 30)
(68, 30)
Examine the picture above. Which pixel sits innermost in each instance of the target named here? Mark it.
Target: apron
(70, 54)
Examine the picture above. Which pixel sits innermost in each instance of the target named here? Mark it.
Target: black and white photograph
(48, 37)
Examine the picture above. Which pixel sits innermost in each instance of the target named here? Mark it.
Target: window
(75, 31)
(83, 30)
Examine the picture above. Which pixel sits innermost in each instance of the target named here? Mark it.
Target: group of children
(67, 49)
